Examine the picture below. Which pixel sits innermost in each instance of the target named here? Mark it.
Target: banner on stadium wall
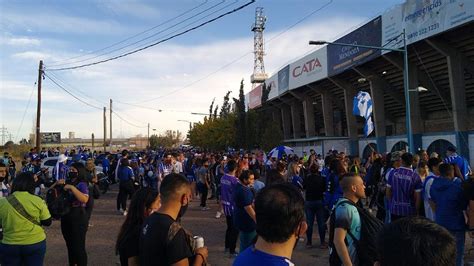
(308, 69)
(283, 79)
(255, 97)
(341, 58)
(50, 137)
(424, 18)
(272, 83)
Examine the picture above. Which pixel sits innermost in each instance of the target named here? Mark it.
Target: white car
(50, 163)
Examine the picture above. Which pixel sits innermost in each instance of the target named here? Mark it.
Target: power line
(24, 112)
(131, 37)
(238, 58)
(126, 121)
(68, 92)
(155, 34)
(156, 43)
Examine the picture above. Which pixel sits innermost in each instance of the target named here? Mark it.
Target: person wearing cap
(34, 165)
(61, 169)
(461, 162)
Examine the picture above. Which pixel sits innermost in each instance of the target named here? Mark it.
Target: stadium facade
(311, 99)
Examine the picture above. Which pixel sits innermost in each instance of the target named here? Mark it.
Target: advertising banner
(255, 97)
(50, 137)
(272, 83)
(341, 58)
(424, 18)
(308, 69)
(283, 79)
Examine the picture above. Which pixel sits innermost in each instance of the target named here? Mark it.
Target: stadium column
(296, 118)
(276, 117)
(328, 114)
(286, 121)
(308, 111)
(456, 64)
(349, 94)
(417, 127)
(376, 89)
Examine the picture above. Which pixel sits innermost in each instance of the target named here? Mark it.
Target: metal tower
(258, 27)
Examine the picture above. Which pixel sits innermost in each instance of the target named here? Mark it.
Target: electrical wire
(155, 34)
(55, 64)
(24, 112)
(126, 121)
(68, 92)
(236, 59)
(159, 42)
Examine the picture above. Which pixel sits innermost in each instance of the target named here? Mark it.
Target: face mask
(182, 210)
(73, 175)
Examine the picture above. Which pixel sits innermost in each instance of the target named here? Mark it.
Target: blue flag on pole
(362, 106)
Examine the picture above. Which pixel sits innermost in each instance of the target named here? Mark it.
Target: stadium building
(312, 98)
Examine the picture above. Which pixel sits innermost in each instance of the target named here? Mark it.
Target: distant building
(72, 135)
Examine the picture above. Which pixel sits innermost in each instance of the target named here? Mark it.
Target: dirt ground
(106, 223)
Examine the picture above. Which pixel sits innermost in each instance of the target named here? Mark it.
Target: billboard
(272, 83)
(50, 137)
(255, 97)
(309, 69)
(283, 79)
(341, 58)
(424, 18)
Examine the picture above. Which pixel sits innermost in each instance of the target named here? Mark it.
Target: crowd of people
(269, 204)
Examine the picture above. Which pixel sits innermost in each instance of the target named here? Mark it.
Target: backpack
(57, 200)
(366, 245)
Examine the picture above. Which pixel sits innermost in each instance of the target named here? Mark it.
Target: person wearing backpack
(353, 230)
(22, 215)
(74, 224)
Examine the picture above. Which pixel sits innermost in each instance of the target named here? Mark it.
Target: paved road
(106, 223)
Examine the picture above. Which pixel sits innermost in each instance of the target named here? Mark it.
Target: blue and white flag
(363, 107)
(368, 127)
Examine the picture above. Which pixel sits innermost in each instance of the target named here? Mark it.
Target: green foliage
(169, 139)
(225, 109)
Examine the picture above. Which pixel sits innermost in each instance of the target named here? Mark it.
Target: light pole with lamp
(405, 79)
(190, 123)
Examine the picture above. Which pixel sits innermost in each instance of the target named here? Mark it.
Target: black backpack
(366, 245)
(57, 200)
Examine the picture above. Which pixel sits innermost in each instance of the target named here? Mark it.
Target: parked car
(50, 163)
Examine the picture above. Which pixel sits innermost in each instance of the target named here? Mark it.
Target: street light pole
(405, 79)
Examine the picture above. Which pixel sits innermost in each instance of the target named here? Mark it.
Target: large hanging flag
(362, 106)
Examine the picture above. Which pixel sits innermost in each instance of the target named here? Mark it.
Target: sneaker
(233, 255)
(125, 213)
(309, 245)
(218, 215)
(205, 208)
(120, 211)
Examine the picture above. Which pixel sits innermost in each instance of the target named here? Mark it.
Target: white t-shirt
(429, 213)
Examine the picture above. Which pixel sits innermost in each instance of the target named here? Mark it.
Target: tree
(240, 108)
(211, 108)
(225, 109)
(272, 137)
(215, 111)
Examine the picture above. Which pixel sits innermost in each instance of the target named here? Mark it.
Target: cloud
(34, 55)
(21, 41)
(129, 8)
(169, 67)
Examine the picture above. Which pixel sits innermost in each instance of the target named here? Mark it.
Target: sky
(178, 76)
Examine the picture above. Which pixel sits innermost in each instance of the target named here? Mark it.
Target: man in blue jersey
(280, 223)
(461, 162)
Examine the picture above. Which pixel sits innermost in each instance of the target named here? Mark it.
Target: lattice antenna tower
(258, 27)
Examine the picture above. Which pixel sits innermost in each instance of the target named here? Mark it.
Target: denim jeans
(246, 239)
(311, 209)
(31, 255)
(460, 237)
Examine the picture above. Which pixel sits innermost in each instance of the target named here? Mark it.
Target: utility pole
(105, 129)
(93, 140)
(148, 135)
(38, 110)
(3, 129)
(110, 143)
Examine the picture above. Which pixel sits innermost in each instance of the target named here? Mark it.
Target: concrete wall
(363, 143)
(339, 145)
(391, 141)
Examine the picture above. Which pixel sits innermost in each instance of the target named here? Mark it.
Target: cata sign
(308, 69)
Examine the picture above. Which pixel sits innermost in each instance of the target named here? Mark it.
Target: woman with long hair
(144, 202)
(91, 180)
(126, 177)
(293, 175)
(74, 224)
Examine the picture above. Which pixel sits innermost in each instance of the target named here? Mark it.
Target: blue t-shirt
(243, 197)
(125, 173)
(255, 257)
(348, 218)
